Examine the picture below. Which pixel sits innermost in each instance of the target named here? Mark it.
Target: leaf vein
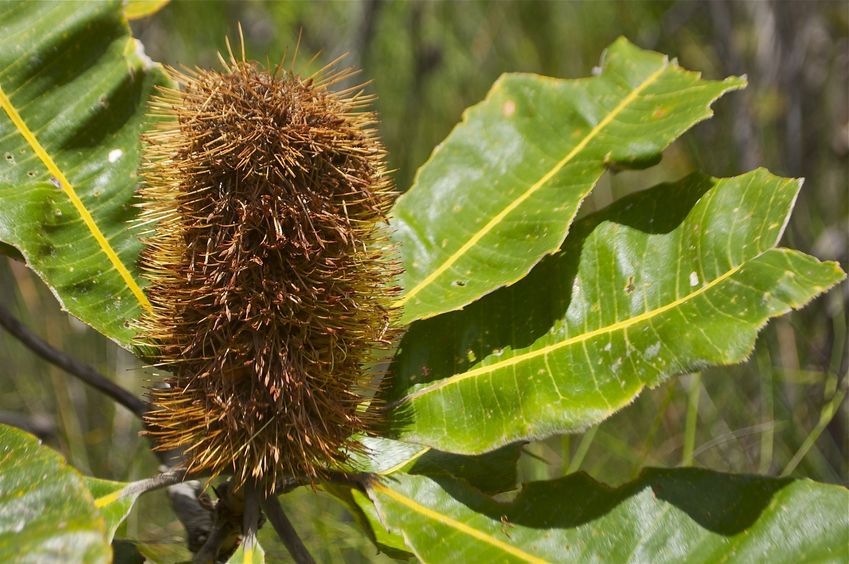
(84, 213)
(499, 217)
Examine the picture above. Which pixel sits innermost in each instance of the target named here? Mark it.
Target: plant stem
(208, 554)
(768, 394)
(583, 447)
(228, 521)
(196, 516)
(70, 365)
(828, 412)
(285, 530)
(565, 453)
(692, 419)
(250, 518)
(165, 479)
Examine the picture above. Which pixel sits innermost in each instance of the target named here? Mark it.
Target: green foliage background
(430, 60)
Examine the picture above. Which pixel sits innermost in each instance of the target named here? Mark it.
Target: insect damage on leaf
(270, 270)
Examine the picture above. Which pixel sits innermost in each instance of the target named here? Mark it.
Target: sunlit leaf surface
(664, 282)
(73, 89)
(501, 191)
(679, 515)
(46, 511)
(113, 506)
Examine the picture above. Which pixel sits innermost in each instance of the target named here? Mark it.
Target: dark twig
(285, 530)
(70, 365)
(186, 497)
(228, 518)
(193, 508)
(218, 537)
(163, 480)
(251, 518)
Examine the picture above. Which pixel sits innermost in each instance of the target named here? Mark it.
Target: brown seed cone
(269, 268)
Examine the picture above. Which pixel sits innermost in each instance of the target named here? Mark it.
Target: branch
(285, 530)
(193, 508)
(70, 365)
(228, 516)
(219, 536)
(162, 480)
(185, 497)
(251, 519)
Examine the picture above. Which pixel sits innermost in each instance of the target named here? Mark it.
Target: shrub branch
(70, 365)
(285, 530)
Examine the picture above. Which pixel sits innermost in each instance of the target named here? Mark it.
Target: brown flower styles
(270, 270)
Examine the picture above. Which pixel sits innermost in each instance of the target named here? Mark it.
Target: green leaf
(384, 456)
(248, 553)
(681, 515)
(113, 504)
(46, 512)
(660, 283)
(138, 9)
(73, 88)
(365, 516)
(501, 191)
(492, 472)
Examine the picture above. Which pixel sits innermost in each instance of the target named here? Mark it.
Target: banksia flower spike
(269, 268)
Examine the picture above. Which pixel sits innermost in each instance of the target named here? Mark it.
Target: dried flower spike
(269, 268)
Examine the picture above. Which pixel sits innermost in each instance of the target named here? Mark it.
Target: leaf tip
(836, 270)
(737, 82)
(138, 9)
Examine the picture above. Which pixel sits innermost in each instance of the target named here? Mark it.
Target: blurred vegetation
(427, 61)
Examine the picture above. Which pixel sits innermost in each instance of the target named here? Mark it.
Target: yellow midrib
(105, 500)
(88, 220)
(499, 217)
(618, 326)
(403, 463)
(453, 523)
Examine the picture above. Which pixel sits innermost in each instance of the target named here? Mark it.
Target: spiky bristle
(269, 268)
